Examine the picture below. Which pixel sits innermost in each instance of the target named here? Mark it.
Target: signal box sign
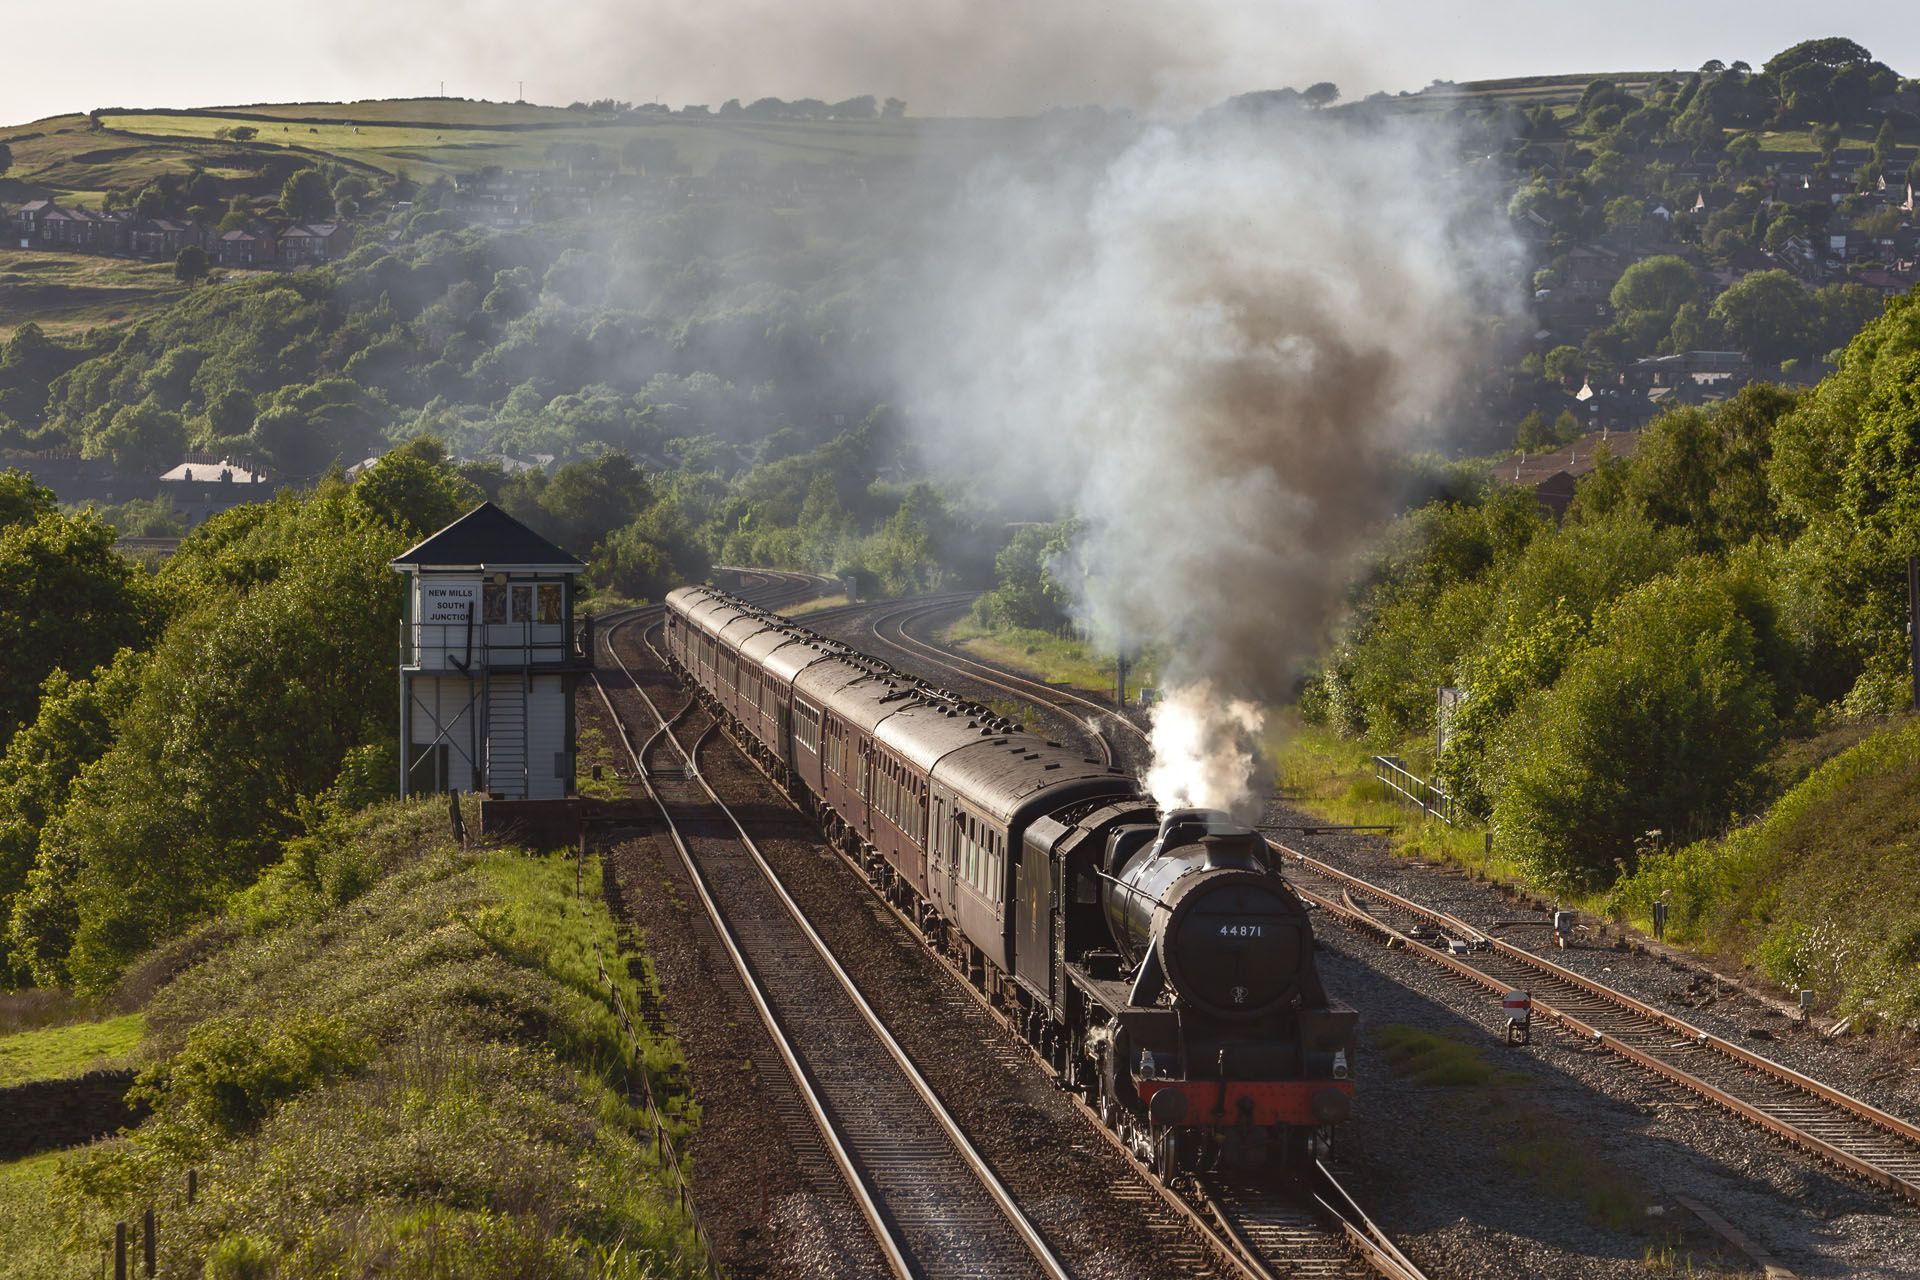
(449, 601)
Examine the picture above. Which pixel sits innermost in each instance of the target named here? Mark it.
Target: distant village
(1834, 219)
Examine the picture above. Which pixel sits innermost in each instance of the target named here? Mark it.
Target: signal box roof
(487, 538)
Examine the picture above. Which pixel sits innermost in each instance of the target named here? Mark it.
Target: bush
(233, 1071)
(1662, 724)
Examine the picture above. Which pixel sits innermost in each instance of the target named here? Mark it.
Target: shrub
(1663, 724)
(233, 1071)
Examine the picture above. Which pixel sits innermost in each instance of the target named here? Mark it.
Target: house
(489, 661)
(249, 246)
(24, 222)
(1891, 284)
(161, 237)
(204, 485)
(1553, 475)
(314, 242)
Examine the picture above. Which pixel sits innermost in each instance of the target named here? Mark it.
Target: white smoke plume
(1209, 340)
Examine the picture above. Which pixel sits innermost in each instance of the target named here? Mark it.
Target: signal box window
(550, 603)
(495, 602)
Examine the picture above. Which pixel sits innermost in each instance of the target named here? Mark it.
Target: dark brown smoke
(1208, 341)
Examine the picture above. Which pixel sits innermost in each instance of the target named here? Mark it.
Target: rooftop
(486, 538)
(1575, 459)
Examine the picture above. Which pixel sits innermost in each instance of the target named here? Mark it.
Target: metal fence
(1413, 790)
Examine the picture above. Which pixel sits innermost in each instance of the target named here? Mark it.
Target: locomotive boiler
(1158, 961)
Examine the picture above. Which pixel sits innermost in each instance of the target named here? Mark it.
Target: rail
(1049, 696)
(1409, 788)
(886, 1171)
(1835, 1126)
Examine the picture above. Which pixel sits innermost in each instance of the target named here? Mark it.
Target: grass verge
(53, 1053)
(1822, 892)
(1332, 778)
(1046, 656)
(399, 1058)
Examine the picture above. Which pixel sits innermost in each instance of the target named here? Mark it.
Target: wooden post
(147, 1241)
(119, 1251)
(193, 1184)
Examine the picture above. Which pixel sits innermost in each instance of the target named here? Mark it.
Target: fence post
(147, 1240)
(193, 1184)
(119, 1251)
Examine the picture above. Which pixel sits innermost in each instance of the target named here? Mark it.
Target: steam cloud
(1208, 340)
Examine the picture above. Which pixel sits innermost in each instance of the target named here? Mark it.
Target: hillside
(1822, 892)
(81, 157)
(416, 1036)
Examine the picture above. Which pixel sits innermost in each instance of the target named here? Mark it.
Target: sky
(944, 57)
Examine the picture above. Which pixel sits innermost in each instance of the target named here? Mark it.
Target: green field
(53, 1053)
(71, 292)
(413, 135)
(75, 159)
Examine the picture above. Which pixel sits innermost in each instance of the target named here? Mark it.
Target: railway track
(1815, 1117)
(1834, 1126)
(934, 1206)
(1251, 1230)
(1098, 721)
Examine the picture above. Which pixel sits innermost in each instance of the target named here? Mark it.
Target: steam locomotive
(1157, 960)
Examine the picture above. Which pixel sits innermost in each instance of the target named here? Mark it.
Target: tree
(22, 501)
(1323, 94)
(1766, 315)
(305, 195)
(227, 737)
(1027, 592)
(1624, 214)
(6, 158)
(72, 727)
(893, 109)
(144, 438)
(1532, 434)
(1566, 365)
(413, 489)
(68, 600)
(1661, 285)
(1886, 145)
(190, 265)
(1662, 724)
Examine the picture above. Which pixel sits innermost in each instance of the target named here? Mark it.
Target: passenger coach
(1155, 959)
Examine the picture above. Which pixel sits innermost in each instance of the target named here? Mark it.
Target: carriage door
(939, 884)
